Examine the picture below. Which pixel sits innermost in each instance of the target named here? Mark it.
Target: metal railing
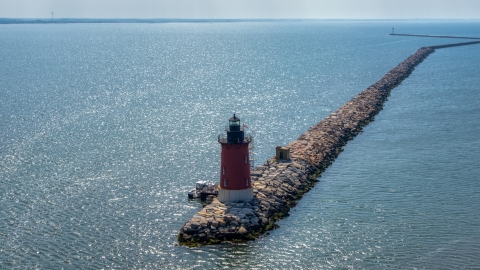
(222, 138)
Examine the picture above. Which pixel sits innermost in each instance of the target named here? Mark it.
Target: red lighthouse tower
(235, 182)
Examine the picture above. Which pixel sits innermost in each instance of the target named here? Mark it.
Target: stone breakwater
(279, 185)
(432, 36)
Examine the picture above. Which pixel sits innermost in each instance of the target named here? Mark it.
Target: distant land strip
(278, 185)
(86, 20)
(434, 36)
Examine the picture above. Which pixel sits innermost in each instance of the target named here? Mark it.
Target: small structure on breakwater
(202, 190)
(282, 153)
(278, 184)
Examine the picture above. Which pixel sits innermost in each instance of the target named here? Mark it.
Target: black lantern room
(235, 133)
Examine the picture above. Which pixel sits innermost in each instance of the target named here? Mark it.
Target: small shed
(282, 153)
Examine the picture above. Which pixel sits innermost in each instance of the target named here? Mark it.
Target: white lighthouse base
(226, 195)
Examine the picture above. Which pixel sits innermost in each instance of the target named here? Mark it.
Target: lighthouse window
(223, 170)
(246, 180)
(224, 182)
(234, 123)
(245, 159)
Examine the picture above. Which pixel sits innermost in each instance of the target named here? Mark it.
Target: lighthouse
(235, 181)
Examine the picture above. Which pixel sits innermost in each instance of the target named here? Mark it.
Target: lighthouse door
(281, 154)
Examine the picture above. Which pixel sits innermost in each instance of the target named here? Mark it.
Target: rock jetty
(432, 36)
(279, 185)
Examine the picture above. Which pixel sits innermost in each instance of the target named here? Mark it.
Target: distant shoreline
(64, 21)
(179, 20)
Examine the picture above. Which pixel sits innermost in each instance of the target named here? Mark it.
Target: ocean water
(105, 127)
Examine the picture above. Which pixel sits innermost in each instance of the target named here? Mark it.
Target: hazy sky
(321, 9)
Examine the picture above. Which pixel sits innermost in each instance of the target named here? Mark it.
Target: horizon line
(198, 20)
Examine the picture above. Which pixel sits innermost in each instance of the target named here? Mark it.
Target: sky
(243, 9)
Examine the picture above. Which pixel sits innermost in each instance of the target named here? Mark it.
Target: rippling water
(104, 128)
